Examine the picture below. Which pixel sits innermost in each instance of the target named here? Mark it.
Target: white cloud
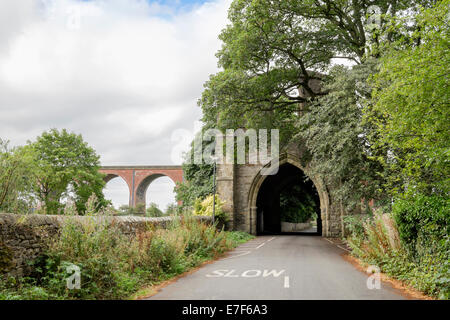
(123, 73)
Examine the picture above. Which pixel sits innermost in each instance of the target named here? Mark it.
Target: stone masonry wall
(23, 237)
(245, 174)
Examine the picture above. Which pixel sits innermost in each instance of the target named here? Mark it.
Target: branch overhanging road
(278, 267)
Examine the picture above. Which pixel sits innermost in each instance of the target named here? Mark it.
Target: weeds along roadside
(410, 244)
(114, 265)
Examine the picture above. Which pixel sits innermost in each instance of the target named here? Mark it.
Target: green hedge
(423, 223)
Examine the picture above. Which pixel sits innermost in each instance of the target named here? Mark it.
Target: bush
(354, 225)
(423, 223)
(377, 241)
(154, 211)
(239, 237)
(205, 208)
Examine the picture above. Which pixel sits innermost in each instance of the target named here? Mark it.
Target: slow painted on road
(278, 267)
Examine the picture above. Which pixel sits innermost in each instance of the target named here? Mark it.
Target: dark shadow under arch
(111, 176)
(268, 211)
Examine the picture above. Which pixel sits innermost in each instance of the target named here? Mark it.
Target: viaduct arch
(139, 178)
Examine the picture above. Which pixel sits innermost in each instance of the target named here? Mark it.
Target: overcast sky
(125, 74)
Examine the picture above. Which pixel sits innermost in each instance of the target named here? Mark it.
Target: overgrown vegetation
(113, 265)
(410, 138)
(410, 108)
(412, 244)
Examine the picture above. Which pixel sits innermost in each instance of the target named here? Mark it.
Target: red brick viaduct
(138, 178)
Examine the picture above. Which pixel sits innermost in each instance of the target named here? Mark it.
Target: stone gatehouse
(249, 195)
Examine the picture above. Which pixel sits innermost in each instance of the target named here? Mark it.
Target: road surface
(278, 267)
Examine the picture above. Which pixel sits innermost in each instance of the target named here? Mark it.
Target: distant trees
(172, 209)
(154, 211)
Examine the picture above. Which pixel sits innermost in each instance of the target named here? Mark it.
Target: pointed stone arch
(238, 187)
(259, 179)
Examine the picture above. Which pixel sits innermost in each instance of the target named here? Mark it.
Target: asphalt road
(278, 267)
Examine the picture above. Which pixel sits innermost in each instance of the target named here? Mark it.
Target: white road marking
(274, 273)
(260, 245)
(252, 273)
(231, 275)
(265, 242)
(286, 282)
(251, 245)
(237, 255)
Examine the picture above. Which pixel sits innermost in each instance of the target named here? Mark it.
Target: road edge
(405, 289)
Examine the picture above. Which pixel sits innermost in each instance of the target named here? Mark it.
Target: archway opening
(156, 195)
(117, 191)
(288, 202)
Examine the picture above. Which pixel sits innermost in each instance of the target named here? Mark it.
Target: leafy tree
(278, 62)
(272, 49)
(198, 183)
(16, 168)
(66, 165)
(198, 179)
(411, 107)
(337, 138)
(296, 205)
(154, 211)
(204, 207)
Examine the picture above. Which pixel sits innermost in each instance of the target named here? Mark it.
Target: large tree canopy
(281, 69)
(273, 49)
